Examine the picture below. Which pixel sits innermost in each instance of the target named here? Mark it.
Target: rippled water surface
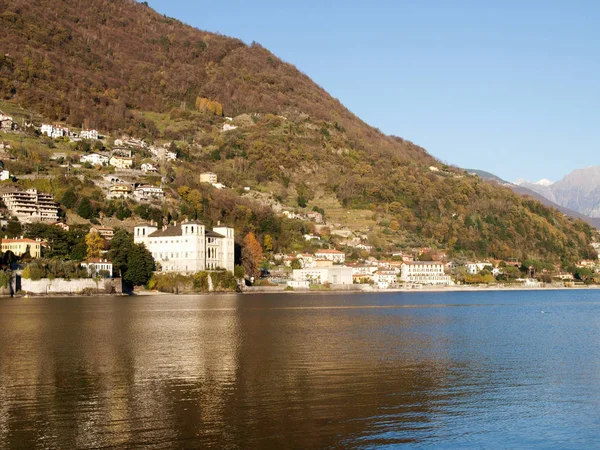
(490, 369)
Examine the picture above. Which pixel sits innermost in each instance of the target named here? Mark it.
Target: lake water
(455, 369)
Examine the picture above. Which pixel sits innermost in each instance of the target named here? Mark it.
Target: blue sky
(511, 87)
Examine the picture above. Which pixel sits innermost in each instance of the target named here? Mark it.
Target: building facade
(320, 275)
(208, 177)
(120, 162)
(188, 246)
(333, 255)
(146, 192)
(95, 159)
(98, 267)
(31, 206)
(21, 246)
(89, 134)
(424, 272)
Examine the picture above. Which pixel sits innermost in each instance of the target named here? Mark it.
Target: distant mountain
(579, 190)
(542, 187)
(532, 190)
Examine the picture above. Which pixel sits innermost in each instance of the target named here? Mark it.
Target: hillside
(120, 67)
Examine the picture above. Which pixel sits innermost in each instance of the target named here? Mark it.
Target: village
(334, 256)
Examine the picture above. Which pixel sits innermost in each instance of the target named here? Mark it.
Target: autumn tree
(95, 244)
(252, 255)
(206, 105)
(268, 243)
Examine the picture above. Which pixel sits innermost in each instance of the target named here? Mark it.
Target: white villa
(188, 246)
(95, 159)
(424, 272)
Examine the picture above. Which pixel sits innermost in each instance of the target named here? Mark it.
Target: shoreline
(322, 291)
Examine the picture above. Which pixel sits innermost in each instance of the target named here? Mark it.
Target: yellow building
(20, 247)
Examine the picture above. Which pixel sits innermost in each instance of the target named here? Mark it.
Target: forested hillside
(120, 67)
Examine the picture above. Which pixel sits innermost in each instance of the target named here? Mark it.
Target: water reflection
(297, 371)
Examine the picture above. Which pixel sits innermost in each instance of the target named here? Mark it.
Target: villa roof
(175, 230)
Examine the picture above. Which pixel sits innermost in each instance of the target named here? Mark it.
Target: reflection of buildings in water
(331, 368)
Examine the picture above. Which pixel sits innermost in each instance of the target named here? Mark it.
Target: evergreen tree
(120, 246)
(69, 198)
(139, 265)
(86, 210)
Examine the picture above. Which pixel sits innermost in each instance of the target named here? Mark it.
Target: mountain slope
(119, 66)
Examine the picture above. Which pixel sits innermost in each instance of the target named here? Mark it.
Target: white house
(320, 275)
(98, 267)
(89, 134)
(385, 278)
(332, 255)
(424, 272)
(94, 159)
(147, 192)
(188, 246)
(54, 131)
(5, 175)
(476, 267)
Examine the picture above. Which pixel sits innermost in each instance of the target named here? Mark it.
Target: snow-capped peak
(544, 182)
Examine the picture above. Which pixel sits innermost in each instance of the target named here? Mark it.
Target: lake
(502, 369)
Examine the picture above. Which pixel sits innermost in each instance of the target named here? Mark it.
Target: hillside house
(121, 162)
(119, 190)
(7, 123)
(89, 134)
(147, 192)
(106, 232)
(55, 131)
(94, 159)
(149, 168)
(208, 177)
(333, 255)
(31, 206)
